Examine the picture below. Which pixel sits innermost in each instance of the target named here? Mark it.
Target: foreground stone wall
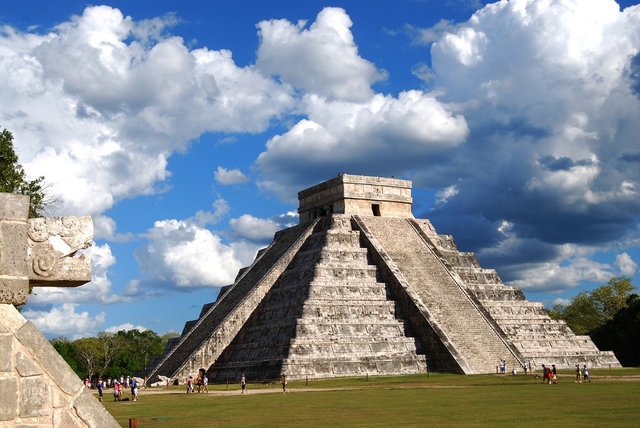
(37, 387)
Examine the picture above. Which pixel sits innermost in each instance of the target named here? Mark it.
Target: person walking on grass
(243, 384)
(585, 374)
(134, 389)
(100, 388)
(578, 374)
(205, 383)
(284, 383)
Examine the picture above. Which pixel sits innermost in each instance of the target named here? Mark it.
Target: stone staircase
(326, 316)
(538, 338)
(476, 343)
(202, 340)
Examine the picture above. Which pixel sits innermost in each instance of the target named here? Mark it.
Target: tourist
(284, 383)
(243, 384)
(585, 374)
(190, 385)
(578, 374)
(202, 373)
(544, 373)
(134, 389)
(100, 389)
(116, 395)
(554, 373)
(205, 383)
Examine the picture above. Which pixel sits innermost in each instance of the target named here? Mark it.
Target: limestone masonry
(37, 387)
(362, 287)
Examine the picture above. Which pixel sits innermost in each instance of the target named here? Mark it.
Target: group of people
(201, 381)
(582, 375)
(550, 375)
(501, 368)
(118, 390)
(119, 386)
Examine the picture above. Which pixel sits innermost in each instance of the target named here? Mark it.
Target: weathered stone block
(35, 397)
(67, 419)
(49, 359)
(59, 399)
(25, 365)
(10, 318)
(92, 412)
(53, 248)
(14, 207)
(6, 358)
(13, 251)
(14, 290)
(8, 398)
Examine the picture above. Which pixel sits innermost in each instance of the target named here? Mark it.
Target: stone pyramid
(362, 287)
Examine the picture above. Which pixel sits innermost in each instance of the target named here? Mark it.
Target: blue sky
(187, 128)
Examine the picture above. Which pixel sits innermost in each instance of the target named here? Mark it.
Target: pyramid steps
(228, 314)
(462, 324)
(333, 307)
(527, 325)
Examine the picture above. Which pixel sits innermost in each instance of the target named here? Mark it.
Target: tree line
(111, 355)
(610, 315)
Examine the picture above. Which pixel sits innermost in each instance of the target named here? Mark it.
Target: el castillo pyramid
(360, 287)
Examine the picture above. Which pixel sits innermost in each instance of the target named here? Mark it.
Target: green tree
(622, 333)
(590, 310)
(67, 351)
(110, 355)
(88, 352)
(13, 178)
(581, 315)
(138, 347)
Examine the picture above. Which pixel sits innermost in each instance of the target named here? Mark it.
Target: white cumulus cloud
(99, 103)
(322, 59)
(63, 320)
(183, 254)
(230, 176)
(253, 228)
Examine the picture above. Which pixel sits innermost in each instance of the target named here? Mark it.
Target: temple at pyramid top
(360, 287)
(356, 195)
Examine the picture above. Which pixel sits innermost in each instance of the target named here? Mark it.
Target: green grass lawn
(611, 399)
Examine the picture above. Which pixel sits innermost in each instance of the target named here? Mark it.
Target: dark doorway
(376, 209)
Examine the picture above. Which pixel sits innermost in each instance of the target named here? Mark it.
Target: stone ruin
(361, 287)
(37, 387)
